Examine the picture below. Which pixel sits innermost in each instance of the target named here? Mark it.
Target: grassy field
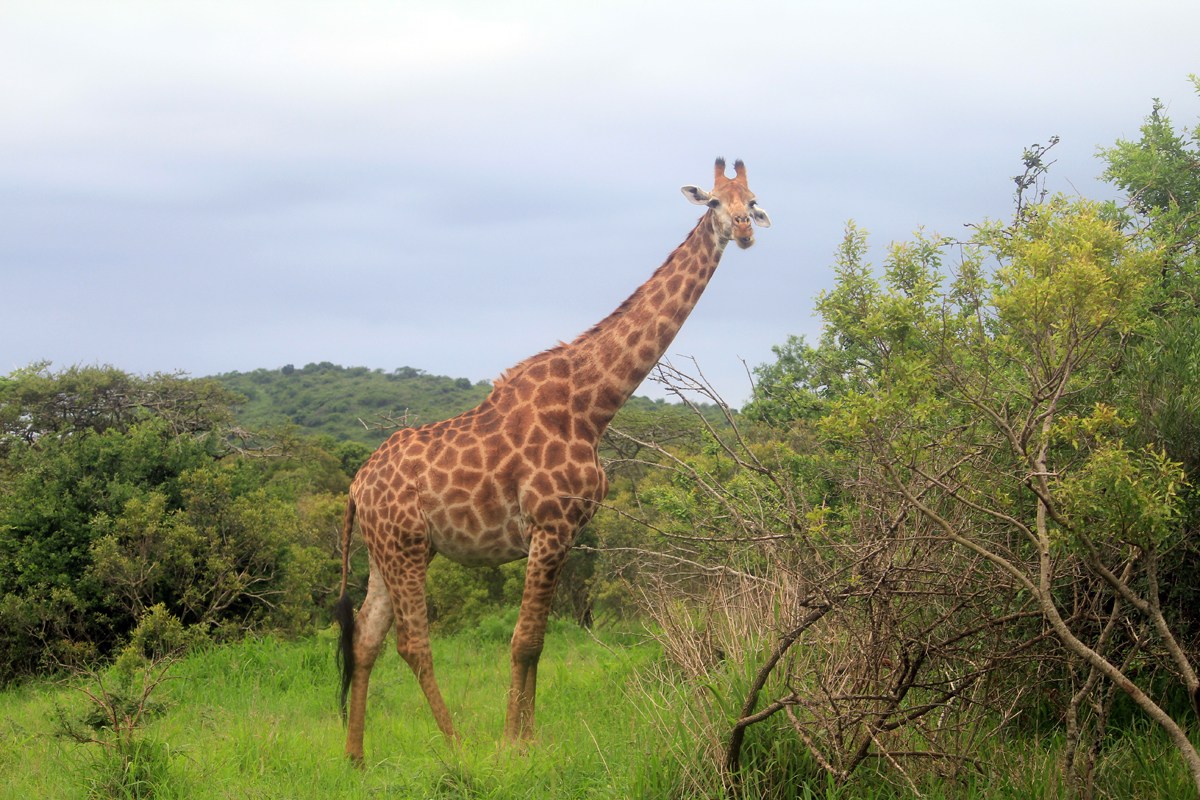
(258, 719)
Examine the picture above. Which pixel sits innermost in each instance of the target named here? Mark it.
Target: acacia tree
(981, 403)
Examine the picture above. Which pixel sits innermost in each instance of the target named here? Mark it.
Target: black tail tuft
(344, 611)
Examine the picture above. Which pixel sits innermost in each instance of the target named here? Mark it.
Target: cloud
(455, 186)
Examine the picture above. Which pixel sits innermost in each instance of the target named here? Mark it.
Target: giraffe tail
(344, 610)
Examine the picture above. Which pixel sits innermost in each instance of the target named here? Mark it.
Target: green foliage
(1159, 171)
(341, 402)
(317, 465)
(159, 635)
(60, 489)
(459, 597)
(1035, 340)
(868, 326)
(101, 521)
(65, 483)
(351, 455)
(225, 559)
(119, 706)
(1159, 390)
(1036, 403)
(1067, 275)
(788, 388)
(1068, 288)
(1130, 496)
(35, 403)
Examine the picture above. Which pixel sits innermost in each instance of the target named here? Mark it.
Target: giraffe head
(732, 203)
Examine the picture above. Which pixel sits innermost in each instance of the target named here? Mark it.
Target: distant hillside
(330, 399)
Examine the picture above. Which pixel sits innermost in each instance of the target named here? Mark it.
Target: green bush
(98, 527)
(459, 597)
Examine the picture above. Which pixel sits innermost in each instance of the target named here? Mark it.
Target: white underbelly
(491, 549)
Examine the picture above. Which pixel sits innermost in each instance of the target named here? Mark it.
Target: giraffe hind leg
(368, 632)
(344, 613)
(412, 634)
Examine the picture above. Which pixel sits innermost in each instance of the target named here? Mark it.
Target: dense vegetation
(123, 493)
(972, 501)
(349, 403)
(950, 549)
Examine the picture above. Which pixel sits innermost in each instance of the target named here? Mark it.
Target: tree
(977, 401)
(225, 558)
(1160, 387)
(35, 403)
(118, 493)
(757, 539)
(58, 488)
(1159, 171)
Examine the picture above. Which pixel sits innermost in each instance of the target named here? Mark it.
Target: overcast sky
(217, 186)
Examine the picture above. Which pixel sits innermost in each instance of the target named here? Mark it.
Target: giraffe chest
(499, 518)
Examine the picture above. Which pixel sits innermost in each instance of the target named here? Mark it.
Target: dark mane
(515, 371)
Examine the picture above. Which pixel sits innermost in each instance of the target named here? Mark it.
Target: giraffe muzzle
(743, 231)
(743, 234)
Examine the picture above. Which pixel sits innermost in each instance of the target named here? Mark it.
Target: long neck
(625, 345)
(576, 389)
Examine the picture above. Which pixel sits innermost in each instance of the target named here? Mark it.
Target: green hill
(349, 403)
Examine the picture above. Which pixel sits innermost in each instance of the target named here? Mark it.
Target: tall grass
(259, 719)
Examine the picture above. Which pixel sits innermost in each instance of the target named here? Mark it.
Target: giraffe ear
(696, 195)
(760, 217)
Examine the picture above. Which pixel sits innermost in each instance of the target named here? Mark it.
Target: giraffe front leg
(370, 627)
(541, 576)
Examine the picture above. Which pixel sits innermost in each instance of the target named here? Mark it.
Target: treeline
(365, 405)
(349, 403)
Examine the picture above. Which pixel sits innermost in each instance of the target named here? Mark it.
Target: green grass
(258, 719)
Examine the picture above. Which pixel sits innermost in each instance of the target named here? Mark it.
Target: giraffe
(516, 477)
